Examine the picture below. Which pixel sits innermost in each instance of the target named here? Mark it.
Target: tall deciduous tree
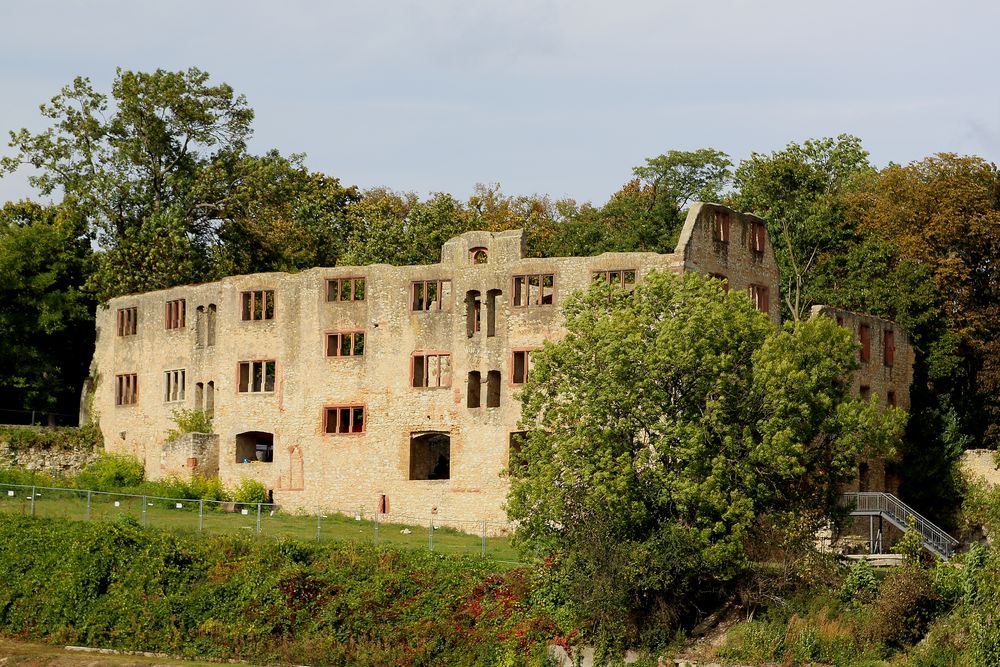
(799, 192)
(46, 320)
(663, 427)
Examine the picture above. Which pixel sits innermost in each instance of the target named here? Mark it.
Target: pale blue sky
(557, 97)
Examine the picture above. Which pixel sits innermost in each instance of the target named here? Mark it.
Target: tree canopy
(665, 425)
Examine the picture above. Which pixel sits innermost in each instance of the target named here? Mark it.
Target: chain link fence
(484, 538)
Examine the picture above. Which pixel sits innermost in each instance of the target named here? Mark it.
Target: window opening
(344, 419)
(722, 226)
(479, 255)
(257, 376)
(345, 289)
(345, 344)
(473, 311)
(255, 446)
(866, 393)
(724, 279)
(431, 370)
(863, 477)
(430, 456)
(474, 390)
(890, 398)
(759, 296)
(210, 399)
(534, 290)
(174, 385)
(624, 278)
(174, 312)
(493, 389)
(199, 396)
(199, 326)
(430, 295)
(491, 312)
(258, 305)
(758, 236)
(127, 321)
(522, 365)
(210, 332)
(515, 450)
(888, 348)
(126, 389)
(865, 335)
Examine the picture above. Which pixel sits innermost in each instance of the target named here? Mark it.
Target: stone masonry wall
(372, 468)
(55, 461)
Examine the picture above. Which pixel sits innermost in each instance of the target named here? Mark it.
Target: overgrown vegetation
(20, 438)
(189, 421)
(123, 587)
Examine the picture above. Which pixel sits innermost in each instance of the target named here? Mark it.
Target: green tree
(149, 174)
(46, 320)
(662, 429)
(800, 192)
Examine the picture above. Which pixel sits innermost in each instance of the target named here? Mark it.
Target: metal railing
(899, 514)
(434, 532)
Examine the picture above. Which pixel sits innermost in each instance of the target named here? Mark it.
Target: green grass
(229, 518)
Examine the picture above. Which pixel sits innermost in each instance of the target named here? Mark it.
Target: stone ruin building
(391, 388)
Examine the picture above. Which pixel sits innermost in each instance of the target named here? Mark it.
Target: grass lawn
(229, 518)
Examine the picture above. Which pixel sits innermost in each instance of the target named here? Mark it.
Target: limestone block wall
(981, 464)
(54, 461)
(190, 454)
(488, 306)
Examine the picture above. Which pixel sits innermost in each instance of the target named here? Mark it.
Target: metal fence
(434, 532)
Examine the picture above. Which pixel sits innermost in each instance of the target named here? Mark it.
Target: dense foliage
(123, 587)
(663, 428)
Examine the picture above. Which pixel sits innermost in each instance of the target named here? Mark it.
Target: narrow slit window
(759, 296)
(722, 226)
(473, 312)
(491, 312)
(493, 389)
(888, 348)
(474, 389)
(865, 337)
(521, 366)
(344, 419)
(758, 237)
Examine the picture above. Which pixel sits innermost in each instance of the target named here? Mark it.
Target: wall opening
(199, 326)
(210, 325)
(493, 389)
(199, 396)
(430, 455)
(491, 312)
(864, 477)
(255, 446)
(475, 387)
(473, 310)
(210, 399)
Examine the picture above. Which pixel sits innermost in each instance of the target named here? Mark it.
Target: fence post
(430, 534)
(201, 512)
(258, 518)
(32, 488)
(319, 521)
(144, 511)
(376, 528)
(88, 505)
(484, 538)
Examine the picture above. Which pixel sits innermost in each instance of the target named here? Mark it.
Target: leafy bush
(905, 606)
(861, 583)
(119, 586)
(189, 421)
(112, 472)
(250, 491)
(25, 477)
(19, 438)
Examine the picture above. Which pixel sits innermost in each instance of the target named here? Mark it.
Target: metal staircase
(892, 509)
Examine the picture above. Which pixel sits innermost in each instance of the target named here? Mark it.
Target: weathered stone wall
(190, 454)
(981, 464)
(56, 461)
(353, 471)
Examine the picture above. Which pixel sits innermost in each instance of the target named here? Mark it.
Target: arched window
(479, 255)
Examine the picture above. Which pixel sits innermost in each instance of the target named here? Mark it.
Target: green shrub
(20, 438)
(861, 583)
(905, 606)
(250, 491)
(25, 477)
(189, 421)
(112, 472)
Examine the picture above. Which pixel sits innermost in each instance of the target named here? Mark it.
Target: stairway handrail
(899, 513)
